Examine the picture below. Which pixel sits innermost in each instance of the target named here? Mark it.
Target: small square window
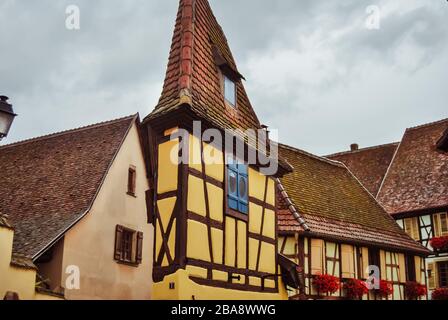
(230, 91)
(131, 181)
(128, 245)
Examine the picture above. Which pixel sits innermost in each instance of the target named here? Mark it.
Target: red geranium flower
(355, 289)
(439, 243)
(415, 290)
(440, 294)
(326, 284)
(386, 289)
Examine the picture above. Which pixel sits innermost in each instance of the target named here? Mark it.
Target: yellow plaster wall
(16, 279)
(186, 289)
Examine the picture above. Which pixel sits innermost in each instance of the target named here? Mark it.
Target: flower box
(386, 289)
(439, 243)
(326, 284)
(415, 290)
(355, 289)
(440, 294)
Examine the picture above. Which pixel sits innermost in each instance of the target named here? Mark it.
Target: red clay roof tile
(418, 176)
(369, 165)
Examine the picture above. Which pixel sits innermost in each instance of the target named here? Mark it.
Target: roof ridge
(60, 133)
(308, 154)
(362, 149)
(427, 124)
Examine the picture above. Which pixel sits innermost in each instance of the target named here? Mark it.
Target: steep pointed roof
(199, 54)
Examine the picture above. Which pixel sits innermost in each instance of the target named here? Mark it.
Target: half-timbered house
(339, 229)
(413, 188)
(215, 221)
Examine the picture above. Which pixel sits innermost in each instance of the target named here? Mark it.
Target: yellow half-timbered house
(341, 231)
(213, 209)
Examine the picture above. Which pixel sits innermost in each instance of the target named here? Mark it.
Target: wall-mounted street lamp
(7, 116)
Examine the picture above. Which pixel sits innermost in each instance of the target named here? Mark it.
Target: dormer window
(230, 91)
(442, 144)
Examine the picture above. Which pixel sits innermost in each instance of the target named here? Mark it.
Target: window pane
(444, 223)
(232, 183)
(229, 90)
(242, 188)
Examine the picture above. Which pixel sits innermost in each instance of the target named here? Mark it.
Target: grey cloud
(312, 69)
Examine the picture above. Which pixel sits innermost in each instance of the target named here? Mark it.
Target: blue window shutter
(237, 186)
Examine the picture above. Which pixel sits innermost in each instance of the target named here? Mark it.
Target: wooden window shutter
(118, 249)
(132, 177)
(432, 275)
(383, 265)
(418, 266)
(402, 266)
(150, 210)
(365, 261)
(443, 224)
(139, 255)
(437, 229)
(348, 262)
(317, 248)
(412, 228)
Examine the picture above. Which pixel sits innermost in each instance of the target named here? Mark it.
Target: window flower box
(355, 289)
(415, 290)
(326, 284)
(386, 289)
(439, 243)
(440, 294)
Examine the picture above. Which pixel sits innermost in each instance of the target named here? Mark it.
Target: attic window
(132, 174)
(229, 91)
(442, 144)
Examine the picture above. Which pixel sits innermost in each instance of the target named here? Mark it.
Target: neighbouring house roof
(48, 183)
(334, 204)
(192, 78)
(369, 165)
(417, 178)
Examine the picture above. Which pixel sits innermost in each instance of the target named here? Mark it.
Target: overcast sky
(313, 69)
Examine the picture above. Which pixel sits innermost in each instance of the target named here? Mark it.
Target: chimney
(354, 147)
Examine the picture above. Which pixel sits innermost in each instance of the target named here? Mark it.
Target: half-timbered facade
(214, 211)
(413, 188)
(342, 229)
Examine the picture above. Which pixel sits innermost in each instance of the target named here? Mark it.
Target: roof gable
(199, 53)
(418, 176)
(48, 183)
(369, 165)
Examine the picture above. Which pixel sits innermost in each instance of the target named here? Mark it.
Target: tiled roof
(350, 232)
(369, 165)
(48, 183)
(192, 76)
(418, 176)
(22, 262)
(334, 203)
